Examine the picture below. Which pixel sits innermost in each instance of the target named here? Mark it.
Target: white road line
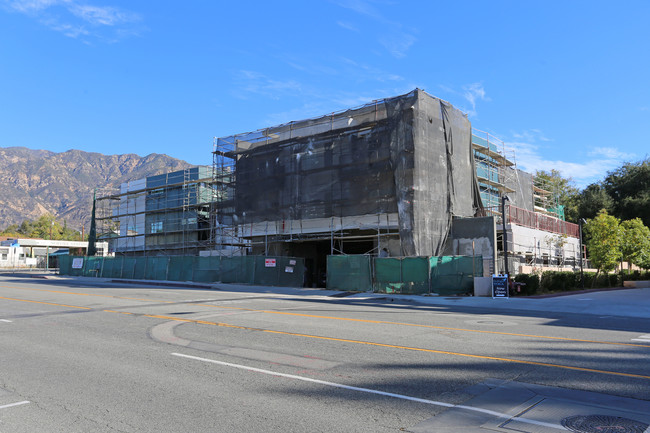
(5, 320)
(645, 338)
(374, 391)
(14, 404)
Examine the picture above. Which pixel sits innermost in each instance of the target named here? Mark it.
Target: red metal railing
(536, 220)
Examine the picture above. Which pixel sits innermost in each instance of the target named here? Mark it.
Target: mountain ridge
(36, 181)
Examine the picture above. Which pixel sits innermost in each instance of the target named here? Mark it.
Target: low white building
(26, 253)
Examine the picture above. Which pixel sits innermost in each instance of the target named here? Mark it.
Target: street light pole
(582, 276)
(505, 233)
(47, 254)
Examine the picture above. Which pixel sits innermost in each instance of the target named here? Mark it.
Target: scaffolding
(495, 169)
(225, 237)
(546, 195)
(167, 214)
(238, 234)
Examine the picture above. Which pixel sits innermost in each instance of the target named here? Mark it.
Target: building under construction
(399, 176)
(167, 214)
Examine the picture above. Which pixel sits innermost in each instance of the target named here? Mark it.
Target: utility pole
(505, 233)
(582, 276)
(47, 254)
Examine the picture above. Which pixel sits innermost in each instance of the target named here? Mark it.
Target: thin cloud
(30, 6)
(540, 135)
(592, 169)
(472, 93)
(106, 16)
(76, 20)
(364, 8)
(308, 110)
(347, 26)
(530, 136)
(365, 72)
(611, 153)
(256, 83)
(397, 42)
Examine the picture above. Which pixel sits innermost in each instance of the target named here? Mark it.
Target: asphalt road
(80, 357)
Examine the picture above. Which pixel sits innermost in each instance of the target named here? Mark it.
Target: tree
(592, 200)
(45, 227)
(636, 243)
(604, 241)
(563, 190)
(629, 188)
(92, 233)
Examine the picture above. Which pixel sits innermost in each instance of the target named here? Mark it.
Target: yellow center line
(118, 312)
(344, 340)
(347, 319)
(416, 325)
(87, 294)
(46, 303)
(392, 346)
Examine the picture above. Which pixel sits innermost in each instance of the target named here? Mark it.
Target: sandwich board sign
(500, 286)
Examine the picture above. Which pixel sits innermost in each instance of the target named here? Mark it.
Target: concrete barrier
(637, 284)
(482, 286)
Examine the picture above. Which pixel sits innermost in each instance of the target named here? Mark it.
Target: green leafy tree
(592, 199)
(11, 231)
(604, 241)
(636, 243)
(563, 189)
(45, 227)
(629, 188)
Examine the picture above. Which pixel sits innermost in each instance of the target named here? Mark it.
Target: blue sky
(566, 84)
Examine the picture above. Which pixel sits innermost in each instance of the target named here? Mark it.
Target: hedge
(554, 281)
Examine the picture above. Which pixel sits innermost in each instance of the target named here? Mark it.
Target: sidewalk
(621, 302)
(607, 302)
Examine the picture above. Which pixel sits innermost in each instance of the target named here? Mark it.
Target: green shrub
(531, 282)
(603, 280)
(553, 281)
(615, 280)
(635, 276)
(546, 281)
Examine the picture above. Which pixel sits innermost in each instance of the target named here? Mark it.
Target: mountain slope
(34, 182)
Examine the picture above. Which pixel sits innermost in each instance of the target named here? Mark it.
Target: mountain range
(36, 182)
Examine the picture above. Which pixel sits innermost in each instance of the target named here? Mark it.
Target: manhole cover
(603, 424)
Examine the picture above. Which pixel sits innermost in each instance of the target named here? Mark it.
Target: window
(157, 227)
(4, 257)
(156, 192)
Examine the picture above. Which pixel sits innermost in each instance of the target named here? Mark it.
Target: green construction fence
(444, 275)
(260, 270)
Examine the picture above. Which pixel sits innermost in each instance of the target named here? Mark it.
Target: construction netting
(410, 155)
(259, 270)
(454, 275)
(349, 272)
(443, 275)
(408, 275)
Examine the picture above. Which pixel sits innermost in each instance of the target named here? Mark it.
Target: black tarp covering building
(410, 155)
